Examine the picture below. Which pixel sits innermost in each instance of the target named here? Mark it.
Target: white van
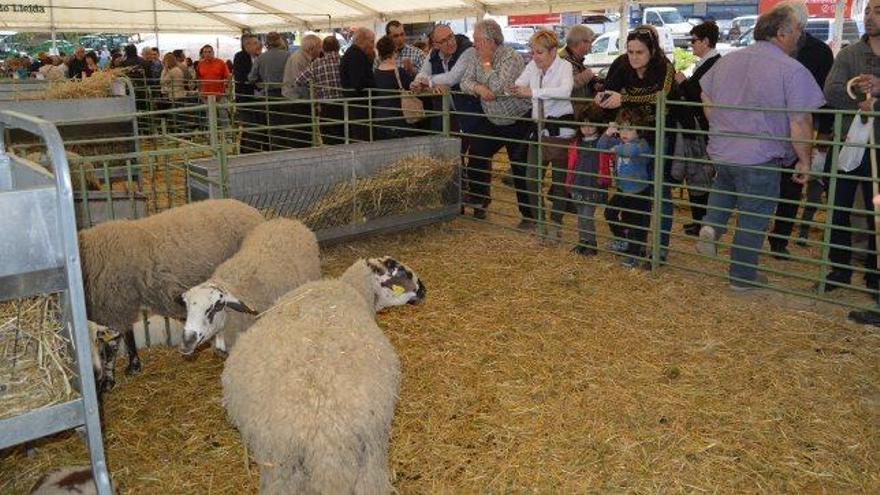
(670, 19)
(605, 48)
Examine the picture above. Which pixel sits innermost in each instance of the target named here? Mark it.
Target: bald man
(356, 74)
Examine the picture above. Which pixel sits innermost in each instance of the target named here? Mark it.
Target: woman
(636, 79)
(173, 85)
(91, 65)
(548, 80)
(388, 80)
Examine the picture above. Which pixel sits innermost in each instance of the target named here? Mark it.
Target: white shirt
(553, 86)
(711, 53)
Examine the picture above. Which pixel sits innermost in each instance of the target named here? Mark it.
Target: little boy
(584, 180)
(628, 212)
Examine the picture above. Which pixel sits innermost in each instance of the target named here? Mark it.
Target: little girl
(628, 212)
(585, 185)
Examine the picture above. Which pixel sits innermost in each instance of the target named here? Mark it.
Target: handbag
(412, 107)
(853, 151)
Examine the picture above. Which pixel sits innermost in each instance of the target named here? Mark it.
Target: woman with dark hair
(389, 78)
(635, 80)
(91, 64)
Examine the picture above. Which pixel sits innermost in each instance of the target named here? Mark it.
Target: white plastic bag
(853, 151)
(818, 163)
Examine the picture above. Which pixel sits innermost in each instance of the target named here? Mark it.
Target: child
(583, 178)
(628, 212)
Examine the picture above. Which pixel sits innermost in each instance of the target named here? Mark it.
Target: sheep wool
(131, 264)
(312, 388)
(67, 481)
(275, 258)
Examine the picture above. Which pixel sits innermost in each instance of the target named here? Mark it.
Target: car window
(600, 45)
(672, 17)
(747, 23)
(653, 19)
(820, 28)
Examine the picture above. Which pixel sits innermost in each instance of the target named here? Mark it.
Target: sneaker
(617, 245)
(869, 317)
(745, 286)
(480, 213)
(833, 281)
(584, 250)
(708, 238)
(692, 229)
(780, 253)
(526, 225)
(630, 262)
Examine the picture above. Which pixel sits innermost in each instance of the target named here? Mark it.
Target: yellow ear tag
(398, 290)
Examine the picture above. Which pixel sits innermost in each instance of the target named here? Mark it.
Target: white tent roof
(216, 16)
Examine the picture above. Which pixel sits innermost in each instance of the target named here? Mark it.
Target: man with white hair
(507, 124)
(309, 50)
(77, 63)
(764, 75)
(356, 75)
(578, 42)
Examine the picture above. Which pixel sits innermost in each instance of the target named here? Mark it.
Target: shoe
(780, 253)
(630, 262)
(833, 281)
(745, 286)
(869, 317)
(617, 245)
(480, 213)
(584, 250)
(692, 229)
(708, 238)
(526, 224)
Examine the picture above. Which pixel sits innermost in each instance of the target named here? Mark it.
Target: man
(154, 71)
(508, 119)
(450, 56)
(818, 58)
(77, 64)
(213, 75)
(578, 42)
(299, 61)
(244, 92)
(869, 317)
(356, 75)
(324, 74)
(761, 75)
(704, 37)
(857, 60)
(409, 57)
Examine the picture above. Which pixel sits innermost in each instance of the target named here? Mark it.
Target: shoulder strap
(397, 76)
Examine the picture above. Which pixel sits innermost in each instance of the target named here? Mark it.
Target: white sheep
(67, 481)
(148, 263)
(313, 383)
(275, 258)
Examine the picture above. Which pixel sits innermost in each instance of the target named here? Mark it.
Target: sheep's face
(206, 306)
(395, 284)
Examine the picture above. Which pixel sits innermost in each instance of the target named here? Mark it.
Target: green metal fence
(156, 167)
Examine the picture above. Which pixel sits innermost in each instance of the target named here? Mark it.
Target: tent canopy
(235, 16)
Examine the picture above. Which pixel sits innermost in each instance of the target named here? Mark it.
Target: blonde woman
(548, 80)
(172, 80)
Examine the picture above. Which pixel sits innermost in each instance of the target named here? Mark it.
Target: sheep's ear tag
(398, 290)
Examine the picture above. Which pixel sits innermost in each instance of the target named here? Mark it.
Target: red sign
(532, 19)
(816, 8)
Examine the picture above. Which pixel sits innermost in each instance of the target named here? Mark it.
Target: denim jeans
(754, 213)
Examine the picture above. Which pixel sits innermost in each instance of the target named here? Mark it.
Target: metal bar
(829, 208)
(659, 154)
(41, 422)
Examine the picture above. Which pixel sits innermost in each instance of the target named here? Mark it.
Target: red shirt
(213, 75)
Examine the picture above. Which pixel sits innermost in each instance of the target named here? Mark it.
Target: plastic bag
(853, 151)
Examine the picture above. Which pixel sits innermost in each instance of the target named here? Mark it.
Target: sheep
(131, 264)
(104, 345)
(313, 383)
(275, 258)
(67, 480)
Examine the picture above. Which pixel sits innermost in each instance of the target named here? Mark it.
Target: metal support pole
(218, 145)
(659, 161)
(447, 124)
(836, 137)
(370, 112)
(316, 129)
(345, 120)
(539, 157)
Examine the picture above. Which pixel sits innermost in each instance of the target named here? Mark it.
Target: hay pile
(530, 369)
(35, 359)
(97, 86)
(412, 183)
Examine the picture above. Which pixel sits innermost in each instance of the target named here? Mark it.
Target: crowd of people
(596, 135)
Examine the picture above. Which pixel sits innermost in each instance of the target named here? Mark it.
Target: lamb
(275, 258)
(68, 480)
(313, 383)
(149, 262)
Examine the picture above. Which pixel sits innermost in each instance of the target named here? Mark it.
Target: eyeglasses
(445, 40)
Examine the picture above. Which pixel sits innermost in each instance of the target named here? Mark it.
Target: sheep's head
(395, 284)
(206, 306)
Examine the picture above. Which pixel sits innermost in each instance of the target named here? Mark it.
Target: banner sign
(25, 8)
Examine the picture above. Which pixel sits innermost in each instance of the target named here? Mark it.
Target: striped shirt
(506, 67)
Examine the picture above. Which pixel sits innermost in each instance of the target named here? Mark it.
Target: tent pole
(156, 23)
(52, 27)
(623, 29)
(838, 26)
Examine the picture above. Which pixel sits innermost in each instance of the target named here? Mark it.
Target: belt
(554, 128)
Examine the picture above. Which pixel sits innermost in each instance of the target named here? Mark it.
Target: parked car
(670, 19)
(823, 29)
(521, 48)
(739, 25)
(605, 48)
(599, 23)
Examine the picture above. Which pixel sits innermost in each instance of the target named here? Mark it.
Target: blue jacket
(631, 164)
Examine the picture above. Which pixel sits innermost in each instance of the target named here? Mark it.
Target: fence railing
(838, 242)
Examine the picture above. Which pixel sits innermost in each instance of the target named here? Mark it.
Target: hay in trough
(99, 85)
(35, 359)
(530, 369)
(412, 183)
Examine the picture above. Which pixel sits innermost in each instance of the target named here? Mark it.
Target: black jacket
(241, 67)
(691, 91)
(356, 72)
(818, 58)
